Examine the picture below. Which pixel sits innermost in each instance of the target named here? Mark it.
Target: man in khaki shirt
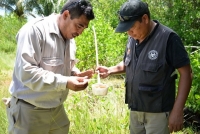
(42, 73)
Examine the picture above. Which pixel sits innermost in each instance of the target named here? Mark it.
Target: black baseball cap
(129, 12)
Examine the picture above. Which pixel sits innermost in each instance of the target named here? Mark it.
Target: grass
(99, 114)
(89, 114)
(6, 62)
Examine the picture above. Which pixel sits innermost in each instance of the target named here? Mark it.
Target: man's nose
(80, 31)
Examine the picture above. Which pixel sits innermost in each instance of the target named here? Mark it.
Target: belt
(23, 101)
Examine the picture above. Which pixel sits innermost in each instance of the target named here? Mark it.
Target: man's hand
(6, 101)
(175, 120)
(103, 71)
(88, 73)
(77, 83)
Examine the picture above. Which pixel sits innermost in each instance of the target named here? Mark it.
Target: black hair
(77, 8)
(147, 12)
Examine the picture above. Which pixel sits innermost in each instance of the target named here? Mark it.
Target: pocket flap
(149, 88)
(150, 67)
(53, 62)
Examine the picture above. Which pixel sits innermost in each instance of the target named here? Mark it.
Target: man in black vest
(153, 54)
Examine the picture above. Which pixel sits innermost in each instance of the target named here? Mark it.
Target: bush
(111, 46)
(193, 101)
(9, 27)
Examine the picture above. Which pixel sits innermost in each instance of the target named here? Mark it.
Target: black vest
(150, 86)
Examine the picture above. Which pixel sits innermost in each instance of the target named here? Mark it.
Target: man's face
(139, 30)
(71, 28)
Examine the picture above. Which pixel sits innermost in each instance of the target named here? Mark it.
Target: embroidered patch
(153, 54)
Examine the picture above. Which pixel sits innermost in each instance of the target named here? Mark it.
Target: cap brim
(124, 26)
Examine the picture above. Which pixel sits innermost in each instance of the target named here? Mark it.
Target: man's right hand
(88, 73)
(103, 71)
(77, 83)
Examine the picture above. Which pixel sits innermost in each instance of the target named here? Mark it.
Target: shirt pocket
(152, 73)
(150, 98)
(52, 64)
(151, 67)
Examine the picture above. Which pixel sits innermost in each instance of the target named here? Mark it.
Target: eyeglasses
(126, 18)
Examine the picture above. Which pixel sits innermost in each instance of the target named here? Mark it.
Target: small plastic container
(100, 89)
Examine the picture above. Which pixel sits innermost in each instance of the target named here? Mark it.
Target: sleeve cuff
(61, 82)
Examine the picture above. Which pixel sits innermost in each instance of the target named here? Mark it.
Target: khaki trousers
(24, 118)
(149, 123)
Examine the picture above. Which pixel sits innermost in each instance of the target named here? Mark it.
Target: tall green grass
(98, 114)
(6, 66)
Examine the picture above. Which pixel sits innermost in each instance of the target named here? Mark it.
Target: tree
(50, 6)
(24, 8)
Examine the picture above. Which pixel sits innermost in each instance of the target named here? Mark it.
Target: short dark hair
(147, 12)
(77, 8)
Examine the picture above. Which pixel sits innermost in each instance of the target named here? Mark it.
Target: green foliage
(182, 16)
(9, 27)
(109, 9)
(50, 6)
(21, 8)
(193, 101)
(7, 63)
(111, 46)
(25, 8)
(99, 114)
(187, 21)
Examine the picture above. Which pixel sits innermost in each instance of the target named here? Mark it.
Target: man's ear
(145, 18)
(66, 14)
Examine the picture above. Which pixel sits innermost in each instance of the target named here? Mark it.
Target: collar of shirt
(53, 25)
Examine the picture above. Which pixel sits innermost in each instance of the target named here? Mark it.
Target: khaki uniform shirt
(42, 65)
